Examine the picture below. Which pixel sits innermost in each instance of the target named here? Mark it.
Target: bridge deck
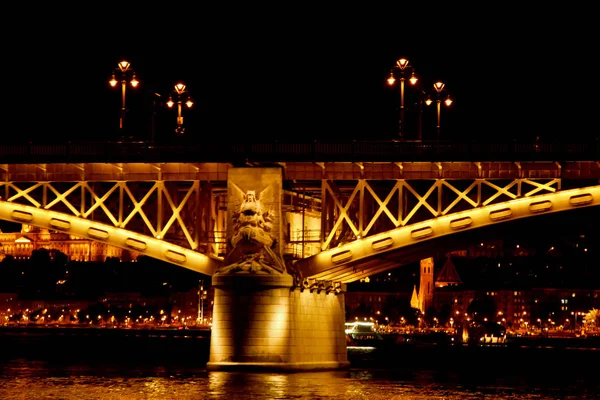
(361, 151)
(299, 173)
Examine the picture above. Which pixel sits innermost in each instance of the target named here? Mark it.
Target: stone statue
(253, 246)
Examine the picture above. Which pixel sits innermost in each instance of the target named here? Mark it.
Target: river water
(68, 371)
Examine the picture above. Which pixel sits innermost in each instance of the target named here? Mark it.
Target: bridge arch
(363, 257)
(111, 235)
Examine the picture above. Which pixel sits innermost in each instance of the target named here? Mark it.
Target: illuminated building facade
(20, 245)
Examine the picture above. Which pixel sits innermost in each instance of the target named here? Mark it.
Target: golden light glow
(118, 237)
(359, 251)
(402, 63)
(180, 88)
(124, 65)
(189, 103)
(448, 101)
(391, 79)
(170, 103)
(134, 81)
(113, 81)
(428, 101)
(413, 79)
(439, 86)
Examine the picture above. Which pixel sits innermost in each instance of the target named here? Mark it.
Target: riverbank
(428, 339)
(192, 347)
(96, 344)
(78, 330)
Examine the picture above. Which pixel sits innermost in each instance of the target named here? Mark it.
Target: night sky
(259, 73)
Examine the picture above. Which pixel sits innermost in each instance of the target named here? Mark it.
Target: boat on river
(362, 334)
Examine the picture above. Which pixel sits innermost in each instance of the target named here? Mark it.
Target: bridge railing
(86, 152)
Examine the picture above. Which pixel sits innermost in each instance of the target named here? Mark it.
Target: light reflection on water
(40, 380)
(375, 375)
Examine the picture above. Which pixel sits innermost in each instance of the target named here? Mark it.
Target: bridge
(338, 212)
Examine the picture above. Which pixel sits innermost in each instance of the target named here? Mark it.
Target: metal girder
(185, 203)
(331, 263)
(352, 273)
(304, 171)
(111, 235)
(183, 212)
(362, 208)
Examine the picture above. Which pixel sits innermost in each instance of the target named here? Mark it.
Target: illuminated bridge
(347, 210)
(347, 206)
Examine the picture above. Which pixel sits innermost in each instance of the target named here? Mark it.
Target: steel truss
(186, 203)
(185, 213)
(387, 250)
(365, 207)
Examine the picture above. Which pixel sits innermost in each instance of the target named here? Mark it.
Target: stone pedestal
(261, 322)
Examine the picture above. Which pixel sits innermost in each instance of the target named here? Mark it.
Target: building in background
(20, 245)
(520, 284)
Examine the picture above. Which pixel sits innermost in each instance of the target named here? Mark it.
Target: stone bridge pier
(263, 320)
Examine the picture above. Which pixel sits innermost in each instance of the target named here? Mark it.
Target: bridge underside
(388, 250)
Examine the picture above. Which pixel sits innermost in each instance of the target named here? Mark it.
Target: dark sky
(261, 73)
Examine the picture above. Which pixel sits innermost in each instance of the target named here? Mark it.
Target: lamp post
(155, 100)
(440, 91)
(402, 65)
(201, 302)
(423, 98)
(181, 94)
(124, 68)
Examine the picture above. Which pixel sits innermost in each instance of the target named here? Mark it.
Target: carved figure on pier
(252, 244)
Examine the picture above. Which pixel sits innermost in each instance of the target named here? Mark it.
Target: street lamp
(440, 92)
(124, 67)
(202, 296)
(181, 94)
(402, 65)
